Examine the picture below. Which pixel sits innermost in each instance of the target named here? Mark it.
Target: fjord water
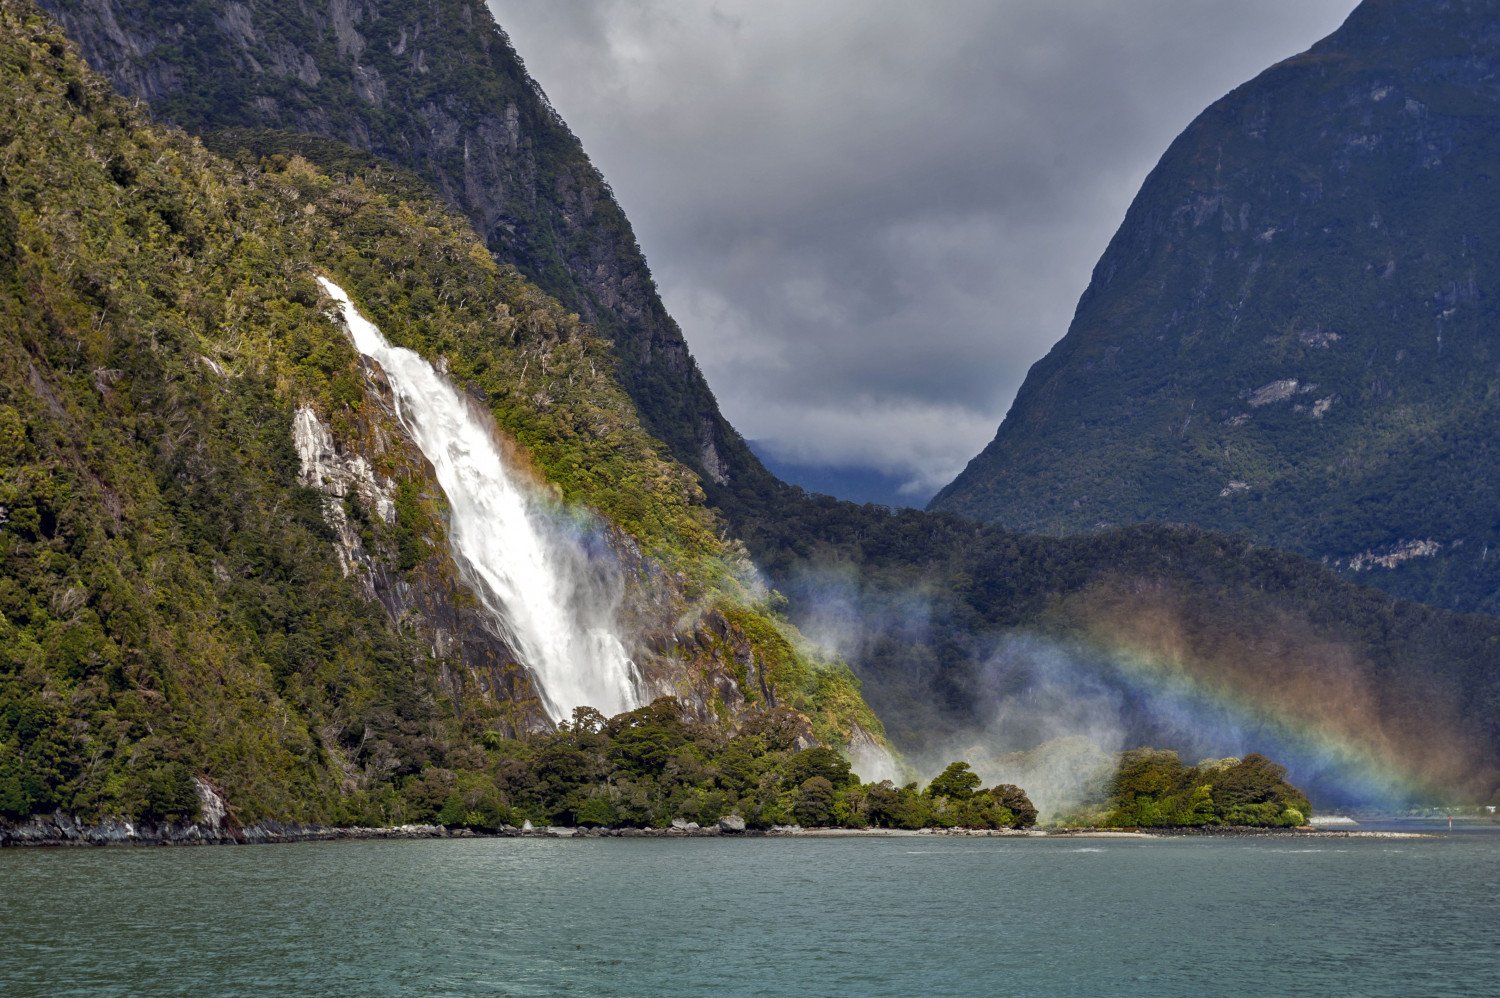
(519, 555)
(918, 915)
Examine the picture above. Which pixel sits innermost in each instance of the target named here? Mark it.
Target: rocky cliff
(435, 87)
(1291, 335)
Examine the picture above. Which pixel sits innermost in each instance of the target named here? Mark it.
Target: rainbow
(1318, 737)
(1273, 681)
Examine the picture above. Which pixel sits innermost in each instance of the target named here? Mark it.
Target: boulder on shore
(731, 823)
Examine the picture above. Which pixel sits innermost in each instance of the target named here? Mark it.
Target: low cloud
(871, 217)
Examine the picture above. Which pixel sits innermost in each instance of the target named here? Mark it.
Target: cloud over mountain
(871, 218)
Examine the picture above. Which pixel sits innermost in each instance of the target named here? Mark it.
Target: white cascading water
(518, 554)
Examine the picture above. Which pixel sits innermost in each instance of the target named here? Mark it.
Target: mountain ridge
(433, 86)
(1287, 336)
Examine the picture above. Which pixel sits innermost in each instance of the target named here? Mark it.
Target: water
(522, 558)
(897, 916)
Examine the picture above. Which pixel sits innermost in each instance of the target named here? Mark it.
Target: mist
(1127, 665)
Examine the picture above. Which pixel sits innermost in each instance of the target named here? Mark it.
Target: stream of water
(518, 552)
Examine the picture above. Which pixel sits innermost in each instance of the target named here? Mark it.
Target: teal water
(899, 916)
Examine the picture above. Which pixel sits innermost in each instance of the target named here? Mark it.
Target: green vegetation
(1153, 789)
(168, 592)
(650, 766)
(171, 606)
(434, 88)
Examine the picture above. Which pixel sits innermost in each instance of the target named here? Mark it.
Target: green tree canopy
(956, 782)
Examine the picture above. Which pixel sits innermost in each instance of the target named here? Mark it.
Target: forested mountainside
(223, 562)
(435, 87)
(972, 639)
(960, 631)
(1292, 334)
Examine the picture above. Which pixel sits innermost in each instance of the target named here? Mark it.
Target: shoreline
(63, 832)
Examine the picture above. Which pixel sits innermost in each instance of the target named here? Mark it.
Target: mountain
(349, 119)
(432, 86)
(231, 567)
(1291, 335)
(857, 485)
(971, 639)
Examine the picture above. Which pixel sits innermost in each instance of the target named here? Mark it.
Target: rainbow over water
(1306, 699)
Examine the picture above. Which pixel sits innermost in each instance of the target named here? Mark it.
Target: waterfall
(519, 553)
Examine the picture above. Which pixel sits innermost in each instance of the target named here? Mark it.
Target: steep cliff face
(433, 86)
(223, 562)
(1291, 335)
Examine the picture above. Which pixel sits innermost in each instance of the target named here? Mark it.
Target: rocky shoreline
(63, 831)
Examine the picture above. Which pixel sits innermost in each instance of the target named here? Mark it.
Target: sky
(870, 218)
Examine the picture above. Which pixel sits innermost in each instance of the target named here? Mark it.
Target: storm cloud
(871, 217)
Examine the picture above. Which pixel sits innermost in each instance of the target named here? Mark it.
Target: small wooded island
(1154, 789)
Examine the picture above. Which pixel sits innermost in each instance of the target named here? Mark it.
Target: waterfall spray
(519, 554)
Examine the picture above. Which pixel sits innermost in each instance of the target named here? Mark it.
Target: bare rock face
(341, 477)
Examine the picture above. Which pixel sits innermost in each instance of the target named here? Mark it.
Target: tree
(814, 803)
(957, 782)
(1200, 807)
(474, 803)
(588, 720)
(820, 761)
(889, 806)
(594, 812)
(1015, 800)
(1256, 781)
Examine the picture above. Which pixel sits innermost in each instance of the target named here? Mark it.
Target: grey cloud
(870, 217)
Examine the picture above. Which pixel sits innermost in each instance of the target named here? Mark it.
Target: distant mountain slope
(1294, 332)
(857, 485)
(434, 87)
(972, 638)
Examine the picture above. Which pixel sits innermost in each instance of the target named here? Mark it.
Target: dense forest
(173, 606)
(645, 768)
